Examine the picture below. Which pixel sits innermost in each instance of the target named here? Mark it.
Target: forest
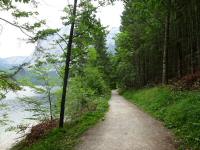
(83, 89)
(164, 42)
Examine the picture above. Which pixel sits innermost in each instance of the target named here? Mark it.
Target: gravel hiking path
(126, 128)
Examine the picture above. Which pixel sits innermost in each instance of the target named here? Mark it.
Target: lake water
(16, 116)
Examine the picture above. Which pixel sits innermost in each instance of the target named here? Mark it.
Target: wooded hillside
(159, 41)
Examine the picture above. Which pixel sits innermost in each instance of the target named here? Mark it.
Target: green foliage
(87, 89)
(9, 2)
(83, 92)
(43, 34)
(37, 106)
(94, 80)
(4, 117)
(138, 49)
(44, 105)
(89, 41)
(7, 83)
(179, 110)
(86, 81)
(17, 13)
(92, 55)
(140, 44)
(67, 138)
(32, 31)
(24, 1)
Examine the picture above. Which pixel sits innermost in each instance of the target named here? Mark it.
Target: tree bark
(166, 45)
(197, 32)
(50, 105)
(67, 65)
(180, 60)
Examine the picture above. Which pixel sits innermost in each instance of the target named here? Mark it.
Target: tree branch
(18, 26)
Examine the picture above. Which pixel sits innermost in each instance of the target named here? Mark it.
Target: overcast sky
(11, 45)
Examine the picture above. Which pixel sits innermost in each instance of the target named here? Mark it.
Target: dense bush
(179, 110)
(84, 92)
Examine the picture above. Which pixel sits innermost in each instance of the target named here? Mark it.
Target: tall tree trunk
(191, 38)
(144, 71)
(67, 64)
(180, 65)
(50, 104)
(166, 44)
(197, 32)
(139, 71)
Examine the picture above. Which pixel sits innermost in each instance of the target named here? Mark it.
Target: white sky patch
(51, 11)
(111, 15)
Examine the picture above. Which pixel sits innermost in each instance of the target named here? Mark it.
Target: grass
(68, 137)
(179, 110)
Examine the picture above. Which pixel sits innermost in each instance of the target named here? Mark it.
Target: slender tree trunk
(180, 68)
(139, 71)
(67, 65)
(144, 71)
(50, 105)
(166, 45)
(191, 38)
(191, 59)
(198, 52)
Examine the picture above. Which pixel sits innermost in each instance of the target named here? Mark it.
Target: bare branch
(18, 26)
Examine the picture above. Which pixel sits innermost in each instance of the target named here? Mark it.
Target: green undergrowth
(179, 110)
(68, 137)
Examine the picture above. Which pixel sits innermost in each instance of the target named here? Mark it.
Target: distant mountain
(17, 60)
(110, 39)
(3, 65)
(7, 63)
(50, 47)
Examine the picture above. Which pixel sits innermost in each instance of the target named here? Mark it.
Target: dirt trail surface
(126, 128)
